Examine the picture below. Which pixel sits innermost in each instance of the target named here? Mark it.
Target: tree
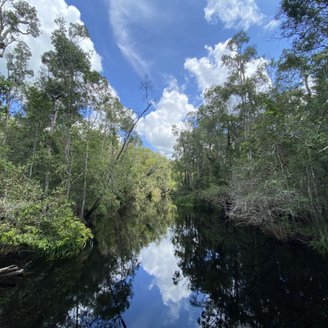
(306, 23)
(63, 136)
(17, 64)
(222, 126)
(16, 18)
(128, 125)
(68, 71)
(13, 85)
(258, 148)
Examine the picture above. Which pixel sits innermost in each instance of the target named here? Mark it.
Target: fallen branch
(10, 271)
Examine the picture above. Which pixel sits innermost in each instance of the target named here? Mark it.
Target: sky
(177, 45)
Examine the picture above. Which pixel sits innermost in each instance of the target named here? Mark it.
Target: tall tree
(222, 125)
(68, 68)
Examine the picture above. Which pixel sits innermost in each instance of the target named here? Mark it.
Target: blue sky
(154, 38)
(177, 43)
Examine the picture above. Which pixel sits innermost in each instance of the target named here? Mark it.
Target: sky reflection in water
(157, 301)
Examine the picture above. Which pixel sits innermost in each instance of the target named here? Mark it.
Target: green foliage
(150, 174)
(32, 221)
(263, 151)
(17, 17)
(305, 22)
(100, 278)
(188, 200)
(62, 152)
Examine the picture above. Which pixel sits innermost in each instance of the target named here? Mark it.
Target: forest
(257, 147)
(68, 146)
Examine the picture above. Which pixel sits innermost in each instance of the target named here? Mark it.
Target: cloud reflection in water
(159, 261)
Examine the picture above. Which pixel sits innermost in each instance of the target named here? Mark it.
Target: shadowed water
(153, 267)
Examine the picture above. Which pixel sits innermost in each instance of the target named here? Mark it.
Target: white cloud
(273, 24)
(172, 109)
(123, 14)
(174, 105)
(159, 261)
(210, 71)
(239, 14)
(47, 12)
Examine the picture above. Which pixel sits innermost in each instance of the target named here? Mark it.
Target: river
(165, 268)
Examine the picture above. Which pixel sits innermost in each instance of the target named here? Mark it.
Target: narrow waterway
(156, 268)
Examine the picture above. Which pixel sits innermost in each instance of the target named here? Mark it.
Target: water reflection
(157, 301)
(159, 260)
(250, 280)
(94, 289)
(212, 275)
(90, 289)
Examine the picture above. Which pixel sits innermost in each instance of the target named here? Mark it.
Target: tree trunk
(7, 108)
(68, 159)
(34, 150)
(49, 148)
(86, 158)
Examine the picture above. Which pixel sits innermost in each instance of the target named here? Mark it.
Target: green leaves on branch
(31, 221)
(17, 18)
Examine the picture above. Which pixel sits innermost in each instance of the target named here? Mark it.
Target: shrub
(30, 220)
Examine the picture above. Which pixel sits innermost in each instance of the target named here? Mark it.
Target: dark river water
(154, 267)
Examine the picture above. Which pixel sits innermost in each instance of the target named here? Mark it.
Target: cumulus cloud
(239, 14)
(123, 14)
(171, 110)
(174, 105)
(209, 70)
(47, 12)
(159, 261)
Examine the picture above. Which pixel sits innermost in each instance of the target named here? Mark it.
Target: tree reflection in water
(239, 277)
(249, 279)
(94, 289)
